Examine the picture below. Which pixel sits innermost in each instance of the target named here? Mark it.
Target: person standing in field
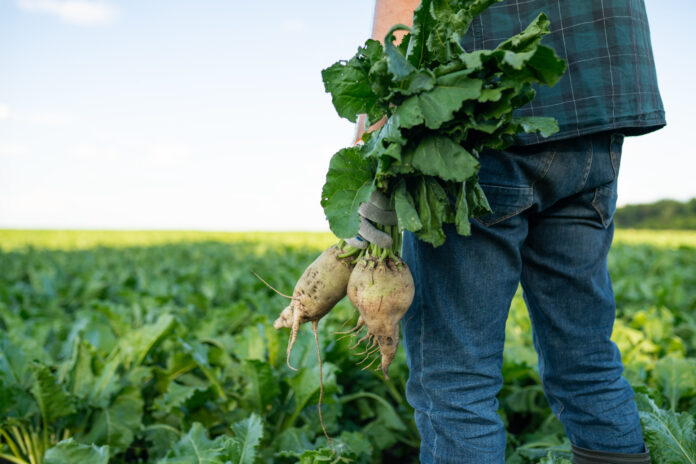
(553, 201)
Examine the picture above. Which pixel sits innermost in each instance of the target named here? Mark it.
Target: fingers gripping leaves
(375, 211)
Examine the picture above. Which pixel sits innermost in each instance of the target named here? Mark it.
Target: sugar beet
(320, 287)
(382, 291)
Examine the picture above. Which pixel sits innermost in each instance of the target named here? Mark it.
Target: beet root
(382, 291)
(321, 286)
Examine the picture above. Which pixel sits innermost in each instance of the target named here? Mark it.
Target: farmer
(551, 228)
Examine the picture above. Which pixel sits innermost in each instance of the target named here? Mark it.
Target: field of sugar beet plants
(158, 347)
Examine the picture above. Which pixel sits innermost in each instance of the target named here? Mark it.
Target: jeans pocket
(605, 197)
(505, 202)
(604, 203)
(615, 148)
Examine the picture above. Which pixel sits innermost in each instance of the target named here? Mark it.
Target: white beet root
(320, 287)
(382, 292)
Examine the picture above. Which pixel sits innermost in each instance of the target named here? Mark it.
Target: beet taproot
(320, 287)
(382, 290)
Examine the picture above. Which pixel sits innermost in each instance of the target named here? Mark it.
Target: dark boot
(586, 456)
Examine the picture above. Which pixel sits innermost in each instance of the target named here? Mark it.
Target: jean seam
(509, 215)
(422, 366)
(406, 321)
(613, 158)
(540, 351)
(595, 205)
(588, 166)
(613, 153)
(546, 171)
(529, 203)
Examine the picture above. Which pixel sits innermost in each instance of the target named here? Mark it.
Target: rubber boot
(586, 456)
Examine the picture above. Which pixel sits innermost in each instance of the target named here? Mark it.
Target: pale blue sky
(212, 115)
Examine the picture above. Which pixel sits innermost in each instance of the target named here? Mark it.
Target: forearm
(387, 14)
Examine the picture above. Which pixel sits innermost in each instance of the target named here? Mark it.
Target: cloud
(40, 118)
(44, 118)
(149, 155)
(89, 152)
(291, 25)
(82, 12)
(12, 150)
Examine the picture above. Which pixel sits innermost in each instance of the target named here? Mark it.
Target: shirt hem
(644, 126)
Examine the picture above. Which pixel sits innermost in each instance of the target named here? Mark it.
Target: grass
(658, 238)
(11, 239)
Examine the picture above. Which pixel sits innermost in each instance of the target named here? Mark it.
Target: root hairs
(360, 341)
(373, 361)
(321, 381)
(269, 286)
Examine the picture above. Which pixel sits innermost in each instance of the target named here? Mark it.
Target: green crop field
(157, 347)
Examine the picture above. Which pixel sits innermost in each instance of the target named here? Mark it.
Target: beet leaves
(442, 105)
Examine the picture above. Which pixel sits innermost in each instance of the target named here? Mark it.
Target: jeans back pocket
(605, 197)
(505, 202)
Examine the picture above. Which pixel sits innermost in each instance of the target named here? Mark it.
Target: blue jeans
(551, 230)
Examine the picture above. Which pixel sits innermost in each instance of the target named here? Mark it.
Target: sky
(211, 115)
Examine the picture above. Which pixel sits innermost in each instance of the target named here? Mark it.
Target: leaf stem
(166, 427)
(13, 459)
(18, 438)
(349, 251)
(398, 238)
(36, 440)
(10, 442)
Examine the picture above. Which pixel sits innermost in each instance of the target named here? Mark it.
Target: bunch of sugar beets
(378, 283)
(442, 106)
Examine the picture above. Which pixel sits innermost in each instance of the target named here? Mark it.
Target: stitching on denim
(509, 215)
(595, 205)
(548, 167)
(588, 166)
(430, 400)
(613, 157)
(537, 345)
(531, 197)
(416, 302)
(615, 154)
(406, 321)
(546, 171)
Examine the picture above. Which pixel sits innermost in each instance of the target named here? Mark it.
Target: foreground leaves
(54, 326)
(670, 436)
(68, 451)
(248, 433)
(117, 424)
(196, 448)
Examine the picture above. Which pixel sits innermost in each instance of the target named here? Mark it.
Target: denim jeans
(551, 230)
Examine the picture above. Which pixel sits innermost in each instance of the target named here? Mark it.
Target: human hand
(360, 127)
(375, 211)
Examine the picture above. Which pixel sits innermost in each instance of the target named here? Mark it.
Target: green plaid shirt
(610, 81)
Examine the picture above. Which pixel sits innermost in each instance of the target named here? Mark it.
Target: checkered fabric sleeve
(610, 82)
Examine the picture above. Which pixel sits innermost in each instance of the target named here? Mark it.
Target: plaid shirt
(610, 81)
